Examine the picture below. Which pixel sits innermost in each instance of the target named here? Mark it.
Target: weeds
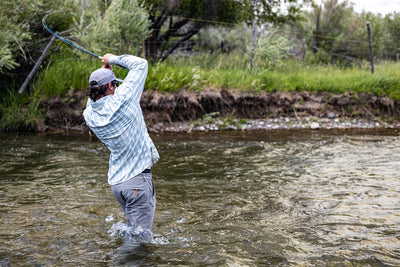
(63, 75)
(18, 112)
(230, 71)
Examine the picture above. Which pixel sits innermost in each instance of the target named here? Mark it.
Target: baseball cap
(103, 76)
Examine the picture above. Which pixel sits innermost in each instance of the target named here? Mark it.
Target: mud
(169, 109)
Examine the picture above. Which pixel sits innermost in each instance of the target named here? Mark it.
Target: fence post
(371, 52)
(33, 71)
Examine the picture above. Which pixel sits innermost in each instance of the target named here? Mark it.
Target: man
(114, 114)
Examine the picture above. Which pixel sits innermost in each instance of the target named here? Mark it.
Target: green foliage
(392, 36)
(21, 30)
(18, 112)
(168, 78)
(124, 27)
(66, 74)
(336, 33)
(13, 33)
(289, 75)
(118, 27)
(225, 39)
(175, 22)
(271, 48)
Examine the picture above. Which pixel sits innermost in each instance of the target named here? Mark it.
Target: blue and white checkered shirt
(118, 122)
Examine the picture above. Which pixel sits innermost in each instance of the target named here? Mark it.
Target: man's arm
(133, 84)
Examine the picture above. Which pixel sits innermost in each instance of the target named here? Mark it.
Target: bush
(18, 113)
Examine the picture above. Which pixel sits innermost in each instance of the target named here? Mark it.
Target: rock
(314, 126)
(386, 102)
(331, 115)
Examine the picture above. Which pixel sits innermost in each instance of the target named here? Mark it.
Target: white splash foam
(110, 218)
(123, 231)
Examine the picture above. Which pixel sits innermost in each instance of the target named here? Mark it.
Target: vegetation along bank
(226, 110)
(233, 68)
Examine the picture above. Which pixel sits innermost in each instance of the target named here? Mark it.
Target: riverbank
(281, 123)
(214, 110)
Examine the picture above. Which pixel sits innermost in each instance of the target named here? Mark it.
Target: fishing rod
(73, 44)
(68, 42)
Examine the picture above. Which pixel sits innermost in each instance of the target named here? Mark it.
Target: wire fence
(349, 47)
(345, 46)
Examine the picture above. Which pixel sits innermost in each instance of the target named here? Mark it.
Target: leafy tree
(22, 38)
(118, 27)
(13, 34)
(173, 22)
(392, 36)
(339, 33)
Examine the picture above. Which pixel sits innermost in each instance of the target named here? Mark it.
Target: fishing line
(68, 42)
(73, 44)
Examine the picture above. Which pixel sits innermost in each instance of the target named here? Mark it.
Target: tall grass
(197, 73)
(18, 112)
(63, 75)
(231, 71)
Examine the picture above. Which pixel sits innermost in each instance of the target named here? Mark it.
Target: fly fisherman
(114, 114)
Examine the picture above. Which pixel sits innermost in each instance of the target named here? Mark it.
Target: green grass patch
(62, 75)
(222, 72)
(231, 71)
(18, 112)
(65, 74)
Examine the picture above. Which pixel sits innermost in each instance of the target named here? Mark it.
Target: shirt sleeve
(133, 84)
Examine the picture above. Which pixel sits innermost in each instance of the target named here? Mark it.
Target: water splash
(110, 218)
(125, 232)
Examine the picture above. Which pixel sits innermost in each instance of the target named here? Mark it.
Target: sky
(377, 6)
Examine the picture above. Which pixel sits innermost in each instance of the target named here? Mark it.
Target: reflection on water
(234, 198)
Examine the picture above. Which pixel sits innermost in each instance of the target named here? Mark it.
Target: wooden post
(253, 46)
(33, 71)
(370, 47)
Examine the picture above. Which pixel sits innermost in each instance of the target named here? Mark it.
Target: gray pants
(138, 200)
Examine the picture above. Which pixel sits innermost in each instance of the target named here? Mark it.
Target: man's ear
(111, 87)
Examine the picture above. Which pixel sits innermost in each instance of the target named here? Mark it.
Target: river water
(286, 198)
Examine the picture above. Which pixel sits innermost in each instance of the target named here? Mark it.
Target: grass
(63, 75)
(198, 72)
(226, 71)
(289, 75)
(18, 112)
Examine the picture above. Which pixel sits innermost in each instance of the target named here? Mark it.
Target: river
(255, 198)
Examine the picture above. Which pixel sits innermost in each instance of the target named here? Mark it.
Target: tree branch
(187, 37)
(172, 29)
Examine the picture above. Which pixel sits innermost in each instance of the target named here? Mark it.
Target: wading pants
(138, 200)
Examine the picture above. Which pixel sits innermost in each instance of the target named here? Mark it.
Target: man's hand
(108, 66)
(105, 59)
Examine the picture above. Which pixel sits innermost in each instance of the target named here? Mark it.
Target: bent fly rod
(55, 35)
(68, 42)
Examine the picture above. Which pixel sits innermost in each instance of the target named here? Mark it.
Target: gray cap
(103, 76)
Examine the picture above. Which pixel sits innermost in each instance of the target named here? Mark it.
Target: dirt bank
(163, 111)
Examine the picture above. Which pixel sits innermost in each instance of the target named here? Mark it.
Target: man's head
(102, 82)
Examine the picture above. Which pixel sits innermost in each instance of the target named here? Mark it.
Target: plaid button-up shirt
(118, 122)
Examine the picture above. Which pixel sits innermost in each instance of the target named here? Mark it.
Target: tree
(341, 34)
(13, 34)
(123, 29)
(173, 22)
(22, 37)
(392, 38)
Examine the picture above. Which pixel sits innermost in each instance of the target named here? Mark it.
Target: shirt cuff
(113, 60)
